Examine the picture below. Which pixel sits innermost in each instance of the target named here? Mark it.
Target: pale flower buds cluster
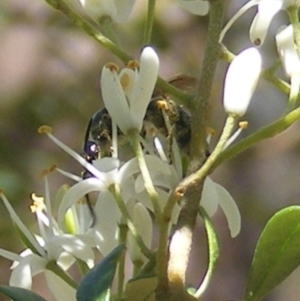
(126, 95)
(241, 80)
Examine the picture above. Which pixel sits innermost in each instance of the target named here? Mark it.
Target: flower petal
(242, 10)
(106, 228)
(209, 198)
(143, 225)
(261, 22)
(230, 209)
(287, 50)
(114, 99)
(142, 93)
(15, 218)
(59, 288)
(76, 192)
(9, 255)
(27, 268)
(73, 247)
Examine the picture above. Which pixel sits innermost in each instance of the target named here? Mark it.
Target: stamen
(242, 126)
(210, 132)
(77, 157)
(45, 129)
(133, 64)
(162, 104)
(160, 150)
(112, 67)
(38, 203)
(68, 175)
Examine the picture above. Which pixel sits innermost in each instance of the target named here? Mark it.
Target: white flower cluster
(71, 237)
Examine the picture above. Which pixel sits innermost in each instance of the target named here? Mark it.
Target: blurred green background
(49, 74)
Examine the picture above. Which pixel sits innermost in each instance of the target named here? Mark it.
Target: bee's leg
(85, 174)
(164, 106)
(91, 209)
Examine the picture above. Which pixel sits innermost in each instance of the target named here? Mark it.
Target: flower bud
(241, 80)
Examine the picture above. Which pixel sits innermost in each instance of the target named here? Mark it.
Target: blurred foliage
(49, 74)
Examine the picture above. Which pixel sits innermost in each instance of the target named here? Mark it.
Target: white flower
(126, 95)
(143, 224)
(117, 10)
(287, 51)
(215, 195)
(51, 245)
(267, 9)
(241, 80)
(196, 7)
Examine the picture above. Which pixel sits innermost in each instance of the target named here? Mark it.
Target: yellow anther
(125, 81)
(133, 65)
(162, 104)
(112, 67)
(243, 125)
(210, 131)
(45, 129)
(38, 203)
(53, 168)
(1, 192)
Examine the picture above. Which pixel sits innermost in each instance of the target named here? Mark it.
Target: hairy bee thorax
(163, 118)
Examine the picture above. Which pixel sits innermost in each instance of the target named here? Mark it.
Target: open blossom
(241, 80)
(165, 177)
(126, 95)
(117, 10)
(196, 7)
(266, 10)
(51, 245)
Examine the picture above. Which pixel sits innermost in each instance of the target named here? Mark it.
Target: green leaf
(19, 294)
(96, 284)
(213, 252)
(277, 253)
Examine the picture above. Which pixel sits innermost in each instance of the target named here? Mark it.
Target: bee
(163, 116)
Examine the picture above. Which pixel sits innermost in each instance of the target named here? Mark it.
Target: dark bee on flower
(98, 138)
(162, 116)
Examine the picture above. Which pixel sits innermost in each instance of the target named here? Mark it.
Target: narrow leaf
(96, 284)
(213, 251)
(277, 253)
(19, 294)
